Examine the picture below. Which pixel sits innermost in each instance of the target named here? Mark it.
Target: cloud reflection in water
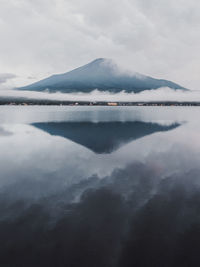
(64, 205)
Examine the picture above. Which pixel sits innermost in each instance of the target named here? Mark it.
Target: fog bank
(162, 94)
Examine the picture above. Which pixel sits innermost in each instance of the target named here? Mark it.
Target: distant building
(112, 104)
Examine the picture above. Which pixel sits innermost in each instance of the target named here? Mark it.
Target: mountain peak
(102, 74)
(100, 61)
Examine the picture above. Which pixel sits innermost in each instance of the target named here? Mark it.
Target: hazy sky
(160, 38)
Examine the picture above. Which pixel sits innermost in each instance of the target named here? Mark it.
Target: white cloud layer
(162, 94)
(157, 38)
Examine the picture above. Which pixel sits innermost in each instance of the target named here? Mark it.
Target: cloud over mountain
(102, 74)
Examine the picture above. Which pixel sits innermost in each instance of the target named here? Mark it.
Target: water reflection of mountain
(103, 137)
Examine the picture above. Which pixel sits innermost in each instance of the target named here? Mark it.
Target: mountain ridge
(102, 74)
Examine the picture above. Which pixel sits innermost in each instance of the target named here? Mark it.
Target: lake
(99, 186)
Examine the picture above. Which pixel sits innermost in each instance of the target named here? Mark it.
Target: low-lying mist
(162, 94)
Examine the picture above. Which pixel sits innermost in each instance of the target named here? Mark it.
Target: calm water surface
(99, 186)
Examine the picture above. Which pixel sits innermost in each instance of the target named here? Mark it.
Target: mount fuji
(102, 74)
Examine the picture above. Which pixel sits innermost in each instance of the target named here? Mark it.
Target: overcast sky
(160, 38)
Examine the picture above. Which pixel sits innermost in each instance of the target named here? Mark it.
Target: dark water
(100, 187)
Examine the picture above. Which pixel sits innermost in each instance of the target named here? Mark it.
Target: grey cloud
(4, 77)
(4, 132)
(158, 38)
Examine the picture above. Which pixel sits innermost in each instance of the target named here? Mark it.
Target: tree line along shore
(30, 102)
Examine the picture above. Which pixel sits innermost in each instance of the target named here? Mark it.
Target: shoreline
(33, 102)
